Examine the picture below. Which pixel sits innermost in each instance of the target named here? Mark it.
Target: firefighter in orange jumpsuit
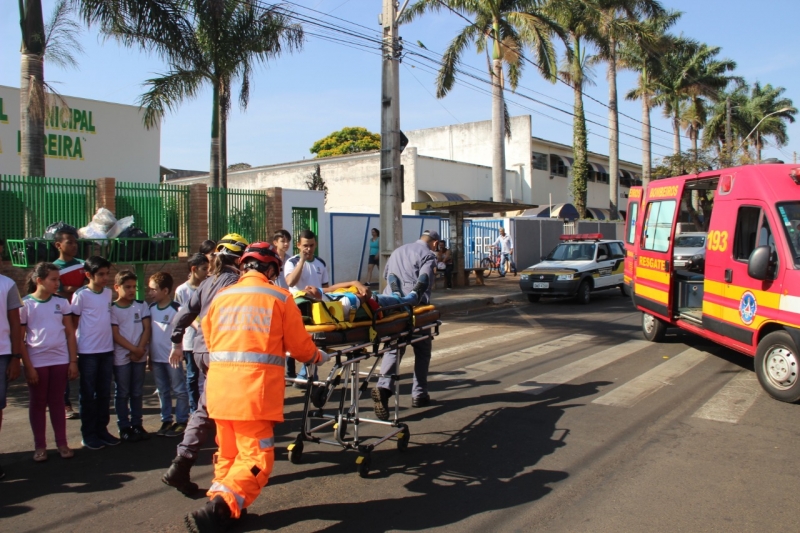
(249, 328)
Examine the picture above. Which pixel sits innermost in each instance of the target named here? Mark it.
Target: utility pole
(728, 135)
(391, 188)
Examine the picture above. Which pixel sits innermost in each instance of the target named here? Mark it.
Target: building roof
(469, 206)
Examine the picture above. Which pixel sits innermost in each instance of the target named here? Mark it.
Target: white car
(576, 267)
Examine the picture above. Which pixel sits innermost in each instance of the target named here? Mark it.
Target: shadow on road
(487, 465)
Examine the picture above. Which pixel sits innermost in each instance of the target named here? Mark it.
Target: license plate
(540, 285)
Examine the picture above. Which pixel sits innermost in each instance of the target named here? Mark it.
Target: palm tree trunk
(224, 103)
(613, 133)
(758, 147)
(676, 129)
(32, 114)
(498, 134)
(646, 143)
(580, 167)
(214, 169)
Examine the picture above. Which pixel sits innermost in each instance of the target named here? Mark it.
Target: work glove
(324, 357)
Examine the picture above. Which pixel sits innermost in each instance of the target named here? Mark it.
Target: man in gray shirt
(409, 263)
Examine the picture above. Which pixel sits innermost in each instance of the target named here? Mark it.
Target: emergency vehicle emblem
(748, 308)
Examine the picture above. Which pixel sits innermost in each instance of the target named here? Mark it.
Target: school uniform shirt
(161, 328)
(45, 335)
(71, 273)
(315, 273)
(182, 295)
(9, 300)
(130, 321)
(94, 329)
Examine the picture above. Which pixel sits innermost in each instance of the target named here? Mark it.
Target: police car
(579, 265)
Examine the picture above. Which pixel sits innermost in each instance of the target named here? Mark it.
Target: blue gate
(479, 235)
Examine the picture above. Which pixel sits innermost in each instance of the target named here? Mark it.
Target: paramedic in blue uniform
(408, 263)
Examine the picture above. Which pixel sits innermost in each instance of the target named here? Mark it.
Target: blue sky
(301, 97)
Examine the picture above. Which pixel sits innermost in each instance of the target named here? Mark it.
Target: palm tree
(620, 22)
(505, 27)
(769, 111)
(647, 62)
(714, 131)
(690, 70)
(57, 42)
(216, 42)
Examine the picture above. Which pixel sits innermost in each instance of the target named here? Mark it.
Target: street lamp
(782, 110)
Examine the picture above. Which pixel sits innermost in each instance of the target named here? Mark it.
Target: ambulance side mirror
(758, 263)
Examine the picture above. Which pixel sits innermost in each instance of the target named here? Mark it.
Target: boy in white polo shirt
(91, 308)
(10, 339)
(130, 324)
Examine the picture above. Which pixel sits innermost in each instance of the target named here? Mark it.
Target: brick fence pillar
(274, 211)
(198, 221)
(105, 194)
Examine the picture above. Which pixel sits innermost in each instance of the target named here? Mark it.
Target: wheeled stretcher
(350, 345)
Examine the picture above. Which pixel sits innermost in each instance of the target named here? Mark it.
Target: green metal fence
(241, 211)
(304, 218)
(29, 204)
(156, 208)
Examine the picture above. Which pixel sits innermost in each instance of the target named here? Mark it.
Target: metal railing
(157, 208)
(241, 211)
(28, 205)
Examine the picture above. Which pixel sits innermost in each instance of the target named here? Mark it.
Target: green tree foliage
(349, 140)
(239, 166)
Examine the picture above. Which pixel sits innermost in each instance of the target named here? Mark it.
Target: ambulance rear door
(631, 234)
(652, 279)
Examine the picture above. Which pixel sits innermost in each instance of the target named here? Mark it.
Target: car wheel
(584, 292)
(626, 291)
(653, 328)
(777, 364)
(533, 298)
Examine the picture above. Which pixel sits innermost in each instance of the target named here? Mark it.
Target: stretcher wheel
(363, 463)
(295, 452)
(341, 428)
(403, 437)
(319, 395)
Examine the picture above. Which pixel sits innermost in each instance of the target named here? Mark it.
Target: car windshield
(790, 217)
(572, 252)
(690, 241)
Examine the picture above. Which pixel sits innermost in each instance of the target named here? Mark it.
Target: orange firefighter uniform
(249, 328)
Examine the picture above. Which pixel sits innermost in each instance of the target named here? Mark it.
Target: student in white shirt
(198, 271)
(10, 339)
(130, 326)
(170, 380)
(49, 355)
(91, 309)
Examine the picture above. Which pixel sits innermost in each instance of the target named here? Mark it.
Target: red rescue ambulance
(748, 295)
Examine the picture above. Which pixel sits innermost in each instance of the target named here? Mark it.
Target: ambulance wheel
(584, 295)
(402, 438)
(625, 290)
(653, 328)
(363, 463)
(777, 365)
(295, 452)
(533, 298)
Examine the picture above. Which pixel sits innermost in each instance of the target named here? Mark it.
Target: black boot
(178, 476)
(215, 517)
(421, 286)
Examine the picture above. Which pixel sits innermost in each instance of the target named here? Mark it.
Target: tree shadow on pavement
(486, 465)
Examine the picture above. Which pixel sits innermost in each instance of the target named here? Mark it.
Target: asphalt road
(547, 417)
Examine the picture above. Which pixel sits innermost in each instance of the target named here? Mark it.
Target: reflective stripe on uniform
(247, 357)
(257, 290)
(219, 487)
(266, 443)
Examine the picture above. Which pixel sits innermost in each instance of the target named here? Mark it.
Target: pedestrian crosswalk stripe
(500, 337)
(653, 380)
(733, 400)
(567, 373)
(484, 367)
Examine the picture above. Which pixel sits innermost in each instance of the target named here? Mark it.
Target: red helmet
(263, 252)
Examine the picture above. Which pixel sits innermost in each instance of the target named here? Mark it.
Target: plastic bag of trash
(52, 229)
(104, 219)
(120, 226)
(92, 231)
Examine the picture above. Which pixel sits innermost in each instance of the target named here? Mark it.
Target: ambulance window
(746, 232)
(633, 214)
(790, 217)
(658, 225)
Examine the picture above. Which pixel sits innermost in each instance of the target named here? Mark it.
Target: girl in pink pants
(49, 355)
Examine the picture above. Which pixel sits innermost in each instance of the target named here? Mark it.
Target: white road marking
(501, 336)
(653, 380)
(733, 400)
(533, 322)
(567, 373)
(498, 363)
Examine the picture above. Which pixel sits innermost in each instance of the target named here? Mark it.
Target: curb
(465, 304)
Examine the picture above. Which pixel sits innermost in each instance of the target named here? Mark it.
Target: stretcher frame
(347, 376)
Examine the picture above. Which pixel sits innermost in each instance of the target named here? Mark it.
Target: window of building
(602, 177)
(539, 161)
(557, 166)
(658, 225)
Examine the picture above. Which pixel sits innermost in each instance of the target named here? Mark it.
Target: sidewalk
(496, 291)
